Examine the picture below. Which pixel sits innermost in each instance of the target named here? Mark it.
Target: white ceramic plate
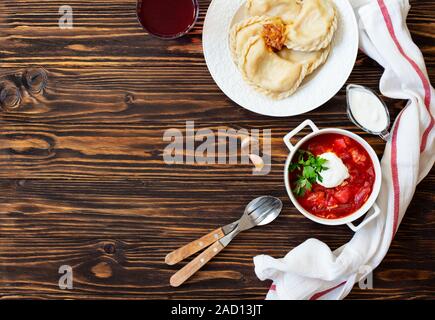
(316, 89)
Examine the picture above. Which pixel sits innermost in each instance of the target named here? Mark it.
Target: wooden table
(83, 181)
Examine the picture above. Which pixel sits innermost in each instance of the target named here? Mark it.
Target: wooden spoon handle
(182, 253)
(192, 267)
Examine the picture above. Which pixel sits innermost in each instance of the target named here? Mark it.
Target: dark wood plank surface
(83, 181)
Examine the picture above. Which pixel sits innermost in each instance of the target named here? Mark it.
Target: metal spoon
(259, 212)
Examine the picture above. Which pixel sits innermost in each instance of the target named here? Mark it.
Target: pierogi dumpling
(267, 72)
(287, 10)
(243, 31)
(312, 59)
(314, 27)
(311, 23)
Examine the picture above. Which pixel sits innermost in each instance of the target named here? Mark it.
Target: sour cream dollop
(337, 171)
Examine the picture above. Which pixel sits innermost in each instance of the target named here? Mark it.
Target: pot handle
(375, 212)
(291, 134)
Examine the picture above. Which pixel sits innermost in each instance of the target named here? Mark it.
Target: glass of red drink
(167, 19)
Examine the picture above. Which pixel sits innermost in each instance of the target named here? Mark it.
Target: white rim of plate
(316, 90)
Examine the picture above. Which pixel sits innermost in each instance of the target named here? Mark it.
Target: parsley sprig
(309, 167)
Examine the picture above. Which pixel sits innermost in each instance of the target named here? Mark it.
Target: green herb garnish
(309, 167)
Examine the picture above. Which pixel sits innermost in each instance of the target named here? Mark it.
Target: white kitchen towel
(312, 270)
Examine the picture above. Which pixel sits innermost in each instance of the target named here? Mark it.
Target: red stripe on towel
(420, 73)
(318, 295)
(395, 174)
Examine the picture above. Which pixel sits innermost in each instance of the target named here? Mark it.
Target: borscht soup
(332, 176)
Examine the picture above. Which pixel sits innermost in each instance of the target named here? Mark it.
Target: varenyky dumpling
(267, 72)
(287, 10)
(312, 59)
(242, 32)
(314, 27)
(311, 23)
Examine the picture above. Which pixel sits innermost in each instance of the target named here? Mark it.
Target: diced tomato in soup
(341, 201)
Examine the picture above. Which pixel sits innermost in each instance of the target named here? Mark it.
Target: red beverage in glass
(167, 19)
